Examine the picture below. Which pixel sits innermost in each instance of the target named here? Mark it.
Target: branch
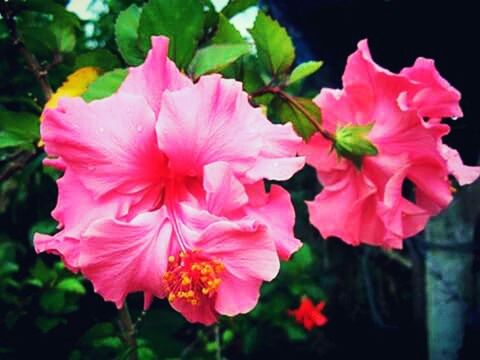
(276, 90)
(128, 331)
(38, 71)
(21, 159)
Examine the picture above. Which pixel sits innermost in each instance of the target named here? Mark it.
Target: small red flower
(309, 315)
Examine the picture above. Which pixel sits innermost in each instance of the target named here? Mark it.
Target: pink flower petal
(237, 296)
(224, 191)
(208, 122)
(432, 95)
(244, 247)
(276, 160)
(75, 209)
(275, 210)
(155, 75)
(464, 174)
(110, 144)
(120, 257)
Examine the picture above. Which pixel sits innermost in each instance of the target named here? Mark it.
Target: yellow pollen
(192, 278)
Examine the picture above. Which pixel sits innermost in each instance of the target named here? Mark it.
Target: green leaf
(288, 112)
(274, 47)
(52, 301)
(226, 33)
(181, 20)
(211, 15)
(227, 336)
(304, 70)
(105, 85)
(304, 257)
(64, 37)
(126, 35)
(43, 273)
(45, 324)
(60, 14)
(97, 331)
(71, 285)
(237, 6)
(214, 58)
(295, 333)
(145, 353)
(39, 40)
(18, 129)
(99, 58)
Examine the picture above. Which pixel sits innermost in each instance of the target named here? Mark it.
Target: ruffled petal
(110, 144)
(208, 122)
(277, 159)
(464, 174)
(120, 257)
(203, 313)
(155, 75)
(275, 210)
(244, 247)
(432, 95)
(237, 296)
(75, 211)
(224, 192)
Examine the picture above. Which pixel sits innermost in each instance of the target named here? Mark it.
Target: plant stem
(38, 71)
(128, 331)
(276, 90)
(219, 344)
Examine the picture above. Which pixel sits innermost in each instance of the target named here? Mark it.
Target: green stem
(276, 90)
(128, 331)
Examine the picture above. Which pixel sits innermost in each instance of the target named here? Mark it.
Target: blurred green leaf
(227, 336)
(295, 332)
(105, 85)
(288, 112)
(100, 330)
(108, 341)
(211, 346)
(226, 33)
(99, 58)
(274, 46)
(304, 70)
(65, 37)
(43, 273)
(52, 301)
(71, 285)
(44, 226)
(181, 20)
(146, 354)
(214, 58)
(237, 6)
(45, 324)
(59, 12)
(126, 35)
(18, 129)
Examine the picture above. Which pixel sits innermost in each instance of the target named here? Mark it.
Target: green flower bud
(351, 142)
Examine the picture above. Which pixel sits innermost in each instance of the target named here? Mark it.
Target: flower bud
(352, 143)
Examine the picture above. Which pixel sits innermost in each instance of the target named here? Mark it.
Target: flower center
(189, 277)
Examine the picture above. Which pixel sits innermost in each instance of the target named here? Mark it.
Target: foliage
(41, 302)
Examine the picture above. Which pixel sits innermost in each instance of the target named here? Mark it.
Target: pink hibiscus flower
(388, 133)
(163, 190)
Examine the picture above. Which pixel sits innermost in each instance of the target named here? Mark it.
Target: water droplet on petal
(454, 117)
(91, 167)
(139, 128)
(101, 129)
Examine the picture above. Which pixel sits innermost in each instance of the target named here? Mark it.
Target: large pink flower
(396, 121)
(163, 190)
